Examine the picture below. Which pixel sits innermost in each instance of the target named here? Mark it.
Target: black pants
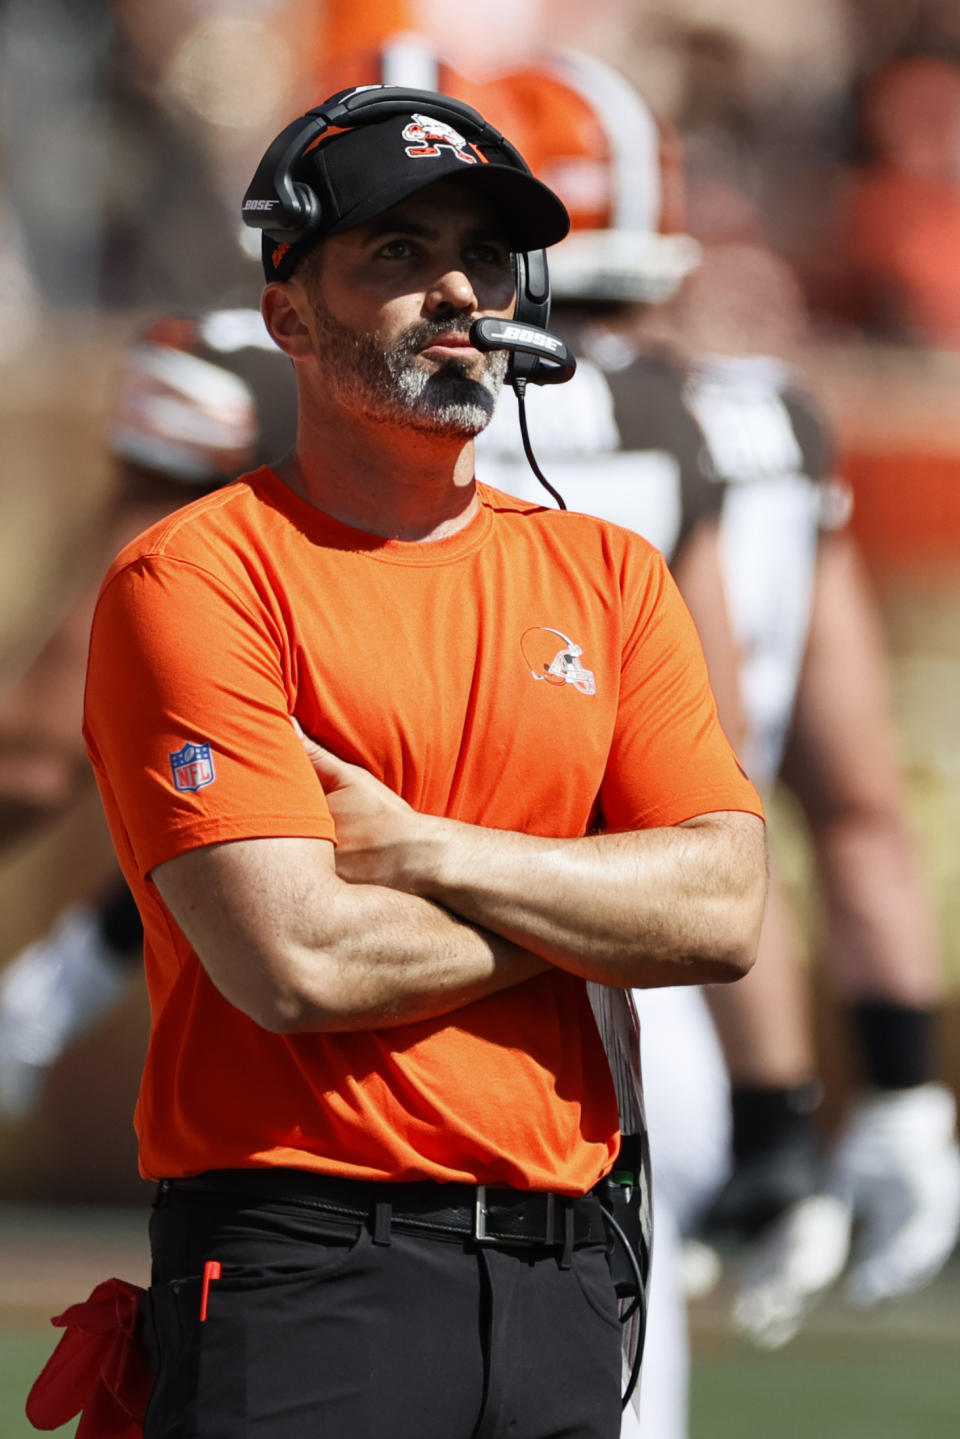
(314, 1331)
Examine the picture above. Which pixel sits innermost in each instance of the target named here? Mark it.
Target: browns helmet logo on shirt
(557, 666)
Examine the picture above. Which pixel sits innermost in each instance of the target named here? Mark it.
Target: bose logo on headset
(531, 337)
(260, 204)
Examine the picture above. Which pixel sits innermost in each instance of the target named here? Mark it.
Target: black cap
(359, 173)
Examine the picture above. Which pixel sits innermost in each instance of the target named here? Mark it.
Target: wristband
(896, 1043)
(120, 923)
(764, 1118)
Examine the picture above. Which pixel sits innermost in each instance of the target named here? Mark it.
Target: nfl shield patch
(192, 766)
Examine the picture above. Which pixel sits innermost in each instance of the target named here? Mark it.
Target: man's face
(393, 301)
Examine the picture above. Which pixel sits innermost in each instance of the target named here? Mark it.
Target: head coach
(395, 765)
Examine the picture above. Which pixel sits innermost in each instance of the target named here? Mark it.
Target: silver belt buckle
(550, 1233)
(480, 1214)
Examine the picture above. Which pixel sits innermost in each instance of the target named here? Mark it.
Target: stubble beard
(386, 382)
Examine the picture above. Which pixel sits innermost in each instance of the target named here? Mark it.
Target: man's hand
(892, 1179)
(376, 829)
(894, 1183)
(897, 1166)
(791, 1239)
(789, 1267)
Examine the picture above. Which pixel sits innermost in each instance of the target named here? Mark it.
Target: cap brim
(530, 214)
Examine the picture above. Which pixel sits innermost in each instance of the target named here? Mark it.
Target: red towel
(100, 1366)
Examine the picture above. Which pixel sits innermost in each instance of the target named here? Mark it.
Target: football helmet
(588, 135)
(201, 398)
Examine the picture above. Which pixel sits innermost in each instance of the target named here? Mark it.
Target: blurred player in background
(754, 526)
(196, 400)
(894, 233)
(814, 686)
(882, 951)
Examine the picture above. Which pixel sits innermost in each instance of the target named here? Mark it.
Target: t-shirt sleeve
(670, 759)
(187, 716)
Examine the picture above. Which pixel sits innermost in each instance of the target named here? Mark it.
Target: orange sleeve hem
(705, 801)
(178, 839)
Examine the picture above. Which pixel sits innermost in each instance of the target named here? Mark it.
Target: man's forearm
(297, 949)
(402, 959)
(678, 905)
(675, 905)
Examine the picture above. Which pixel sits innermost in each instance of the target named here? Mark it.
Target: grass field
(889, 1374)
(894, 1374)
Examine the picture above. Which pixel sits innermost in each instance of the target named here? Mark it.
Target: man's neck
(385, 479)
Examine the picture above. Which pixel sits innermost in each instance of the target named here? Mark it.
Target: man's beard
(385, 382)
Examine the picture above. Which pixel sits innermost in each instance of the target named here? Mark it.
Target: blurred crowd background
(822, 147)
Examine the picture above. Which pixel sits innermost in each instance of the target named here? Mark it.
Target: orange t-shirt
(535, 672)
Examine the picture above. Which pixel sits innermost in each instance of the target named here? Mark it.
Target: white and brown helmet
(619, 171)
(199, 399)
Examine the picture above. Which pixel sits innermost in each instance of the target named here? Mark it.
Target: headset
(289, 210)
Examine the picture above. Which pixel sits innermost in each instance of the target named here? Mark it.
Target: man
(375, 1096)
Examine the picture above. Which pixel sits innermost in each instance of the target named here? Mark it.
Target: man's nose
(452, 292)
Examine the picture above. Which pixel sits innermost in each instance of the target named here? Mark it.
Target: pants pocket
(236, 1374)
(171, 1320)
(592, 1269)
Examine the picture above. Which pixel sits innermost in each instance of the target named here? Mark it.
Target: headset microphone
(535, 355)
(555, 364)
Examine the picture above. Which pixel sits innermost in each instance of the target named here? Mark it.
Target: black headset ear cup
(309, 213)
(283, 208)
(533, 288)
(532, 308)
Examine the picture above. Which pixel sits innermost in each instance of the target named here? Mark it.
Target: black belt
(487, 1215)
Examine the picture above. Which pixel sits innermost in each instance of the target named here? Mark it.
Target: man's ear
(285, 309)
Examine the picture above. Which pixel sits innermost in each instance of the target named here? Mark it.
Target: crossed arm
(415, 916)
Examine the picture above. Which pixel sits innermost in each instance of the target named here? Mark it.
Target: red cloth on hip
(100, 1367)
